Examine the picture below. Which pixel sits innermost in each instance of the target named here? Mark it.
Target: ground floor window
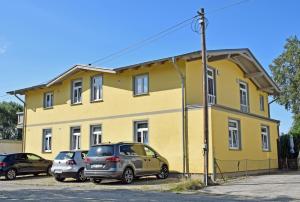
(75, 138)
(96, 134)
(141, 132)
(234, 134)
(47, 140)
(265, 138)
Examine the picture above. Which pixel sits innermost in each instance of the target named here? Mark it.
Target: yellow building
(88, 105)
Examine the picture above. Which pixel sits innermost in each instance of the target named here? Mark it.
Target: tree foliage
(9, 119)
(286, 73)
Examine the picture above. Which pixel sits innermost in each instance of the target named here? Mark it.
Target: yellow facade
(161, 107)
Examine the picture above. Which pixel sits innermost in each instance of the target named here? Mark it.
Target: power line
(146, 40)
(227, 6)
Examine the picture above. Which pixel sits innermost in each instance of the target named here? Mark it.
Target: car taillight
(71, 162)
(113, 159)
(87, 160)
(3, 164)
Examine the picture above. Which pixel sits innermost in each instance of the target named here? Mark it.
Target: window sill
(47, 152)
(266, 150)
(47, 108)
(234, 149)
(142, 94)
(75, 104)
(96, 101)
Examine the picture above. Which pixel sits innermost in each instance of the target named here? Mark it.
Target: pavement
(276, 187)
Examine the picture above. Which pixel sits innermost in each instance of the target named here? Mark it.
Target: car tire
(164, 172)
(48, 171)
(11, 174)
(59, 178)
(80, 176)
(96, 180)
(127, 176)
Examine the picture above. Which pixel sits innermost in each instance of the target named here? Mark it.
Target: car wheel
(80, 176)
(96, 180)
(164, 172)
(59, 178)
(48, 172)
(127, 176)
(11, 174)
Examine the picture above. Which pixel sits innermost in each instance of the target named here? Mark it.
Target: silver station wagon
(69, 164)
(124, 161)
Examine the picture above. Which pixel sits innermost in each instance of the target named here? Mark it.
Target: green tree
(286, 73)
(8, 119)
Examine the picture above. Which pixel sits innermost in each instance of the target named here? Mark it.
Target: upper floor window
(244, 101)
(47, 140)
(234, 134)
(76, 91)
(96, 88)
(141, 84)
(211, 90)
(96, 135)
(141, 132)
(261, 103)
(265, 138)
(48, 100)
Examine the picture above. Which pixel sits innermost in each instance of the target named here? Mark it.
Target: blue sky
(40, 39)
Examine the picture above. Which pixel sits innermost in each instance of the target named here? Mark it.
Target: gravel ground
(277, 187)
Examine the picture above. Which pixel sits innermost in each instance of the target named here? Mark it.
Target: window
(96, 88)
(234, 134)
(102, 150)
(33, 157)
(75, 138)
(76, 91)
(96, 135)
(261, 103)
(244, 97)
(141, 84)
(47, 140)
(265, 138)
(211, 91)
(141, 132)
(48, 100)
(149, 152)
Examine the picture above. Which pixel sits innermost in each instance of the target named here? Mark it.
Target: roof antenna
(89, 64)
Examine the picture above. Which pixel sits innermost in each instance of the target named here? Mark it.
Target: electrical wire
(227, 6)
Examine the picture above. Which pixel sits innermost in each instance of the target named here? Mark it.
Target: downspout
(183, 109)
(269, 106)
(24, 120)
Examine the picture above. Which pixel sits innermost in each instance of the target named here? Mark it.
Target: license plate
(58, 171)
(97, 166)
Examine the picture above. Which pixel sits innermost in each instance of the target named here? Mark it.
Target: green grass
(188, 185)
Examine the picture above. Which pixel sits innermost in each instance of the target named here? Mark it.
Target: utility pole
(205, 102)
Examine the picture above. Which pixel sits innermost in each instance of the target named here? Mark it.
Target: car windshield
(65, 155)
(2, 157)
(103, 150)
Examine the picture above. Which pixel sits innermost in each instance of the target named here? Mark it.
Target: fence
(244, 167)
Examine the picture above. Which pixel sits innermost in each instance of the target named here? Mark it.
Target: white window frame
(76, 90)
(95, 135)
(143, 132)
(141, 84)
(96, 88)
(244, 93)
(47, 140)
(234, 131)
(211, 97)
(48, 100)
(262, 103)
(75, 137)
(265, 137)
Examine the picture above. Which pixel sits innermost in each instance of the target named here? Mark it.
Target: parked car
(15, 164)
(69, 164)
(124, 161)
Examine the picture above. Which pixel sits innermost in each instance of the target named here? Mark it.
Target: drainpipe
(24, 120)
(183, 108)
(269, 106)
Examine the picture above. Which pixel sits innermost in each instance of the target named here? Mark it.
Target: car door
(37, 164)
(153, 163)
(140, 159)
(21, 163)
(132, 154)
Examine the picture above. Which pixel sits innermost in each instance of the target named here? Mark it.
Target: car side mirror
(155, 156)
